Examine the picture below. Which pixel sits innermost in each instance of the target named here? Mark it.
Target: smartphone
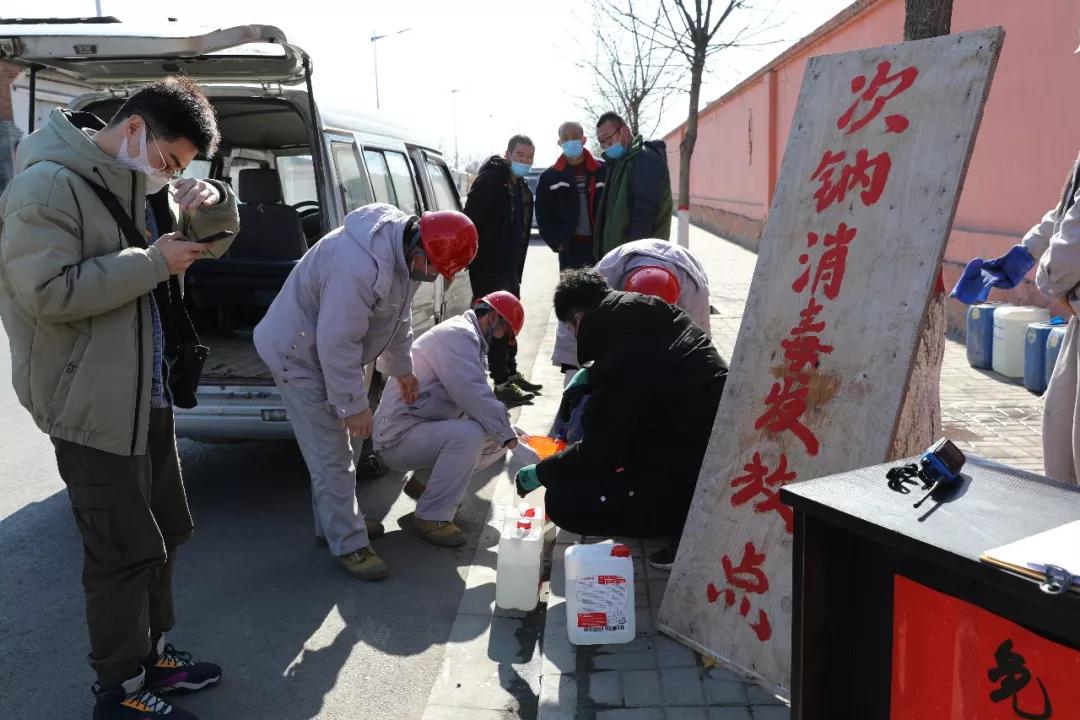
(216, 236)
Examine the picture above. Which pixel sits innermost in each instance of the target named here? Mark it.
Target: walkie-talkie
(941, 466)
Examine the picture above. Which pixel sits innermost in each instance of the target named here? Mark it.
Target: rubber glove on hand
(526, 480)
(1004, 272)
(573, 393)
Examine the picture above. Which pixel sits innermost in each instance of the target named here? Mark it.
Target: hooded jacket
(558, 204)
(347, 302)
(656, 385)
(451, 365)
(617, 264)
(637, 197)
(73, 294)
(500, 254)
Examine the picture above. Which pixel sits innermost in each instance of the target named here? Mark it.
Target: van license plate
(275, 415)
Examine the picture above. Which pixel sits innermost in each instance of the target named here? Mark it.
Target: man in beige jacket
(87, 321)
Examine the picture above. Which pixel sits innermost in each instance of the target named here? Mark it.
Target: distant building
(1026, 145)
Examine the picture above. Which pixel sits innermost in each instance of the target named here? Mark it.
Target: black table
(858, 545)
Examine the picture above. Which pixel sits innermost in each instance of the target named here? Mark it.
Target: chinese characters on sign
(861, 171)
(1013, 676)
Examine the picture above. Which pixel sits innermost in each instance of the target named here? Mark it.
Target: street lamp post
(375, 55)
(453, 106)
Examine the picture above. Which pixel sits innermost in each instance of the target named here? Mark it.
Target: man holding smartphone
(88, 326)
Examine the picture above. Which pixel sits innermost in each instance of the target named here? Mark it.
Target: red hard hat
(508, 306)
(449, 240)
(654, 280)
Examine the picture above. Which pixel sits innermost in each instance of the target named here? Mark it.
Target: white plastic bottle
(517, 579)
(599, 594)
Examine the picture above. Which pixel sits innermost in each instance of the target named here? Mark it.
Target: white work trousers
(331, 461)
(1061, 412)
(443, 454)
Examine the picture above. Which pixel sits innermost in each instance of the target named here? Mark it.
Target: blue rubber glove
(1004, 272)
(526, 480)
(573, 393)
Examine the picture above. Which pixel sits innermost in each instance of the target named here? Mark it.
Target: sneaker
(662, 559)
(519, 380)
(510, 394)
(413, 487)
(169, 670)
(364, 564)
(134, 701)
(375, 530)
(439, 532)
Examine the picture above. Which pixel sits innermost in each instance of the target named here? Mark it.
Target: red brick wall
(8, 73)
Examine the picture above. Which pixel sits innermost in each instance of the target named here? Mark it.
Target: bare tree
(632, 66)
(920, 417)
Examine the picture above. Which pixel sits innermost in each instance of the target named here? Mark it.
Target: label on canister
(602, 603)
(1055, 340)
(975, 313)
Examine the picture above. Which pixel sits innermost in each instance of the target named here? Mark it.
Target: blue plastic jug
(980, 334)
(1054, 342)
(1035, 342)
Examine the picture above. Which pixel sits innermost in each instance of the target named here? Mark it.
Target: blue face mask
(520, 169)
(572, 149)
(615, 152)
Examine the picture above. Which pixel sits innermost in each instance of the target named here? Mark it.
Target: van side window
(403, 183)
(445, 194)
(353, 183)
(380, 177)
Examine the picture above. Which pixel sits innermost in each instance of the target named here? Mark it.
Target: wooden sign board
(866, 197)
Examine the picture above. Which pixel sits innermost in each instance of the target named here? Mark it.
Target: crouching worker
(650, 267)
(455, 425)
(654, 387)
(347, 302)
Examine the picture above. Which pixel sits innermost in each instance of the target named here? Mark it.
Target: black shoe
(370, 467)
(133, 701)
(519, 380)
(169, 670)
(662, 559)
(511, 395)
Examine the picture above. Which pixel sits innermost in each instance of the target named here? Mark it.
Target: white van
(297, 168)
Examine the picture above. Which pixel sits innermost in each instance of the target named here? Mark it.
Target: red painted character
(900, 81)
(833, 262)
(804, 351)
(759, 481)
(869, 173)
(750, 578)
(809, 315)
(787, 404)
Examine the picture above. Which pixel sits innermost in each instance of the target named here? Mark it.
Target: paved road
(297, 636)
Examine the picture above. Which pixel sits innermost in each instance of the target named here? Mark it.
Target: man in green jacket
(87, 328)
(636, 203)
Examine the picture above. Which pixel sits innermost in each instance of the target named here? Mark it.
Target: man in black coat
(567, 199)
(654, 389)
(500, 205)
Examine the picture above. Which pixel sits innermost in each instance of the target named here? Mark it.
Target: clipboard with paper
(1052, 557)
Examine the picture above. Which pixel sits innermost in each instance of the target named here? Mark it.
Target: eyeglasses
(164, 169)
(604, 140)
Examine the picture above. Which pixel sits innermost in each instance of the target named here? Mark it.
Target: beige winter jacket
(73, 294)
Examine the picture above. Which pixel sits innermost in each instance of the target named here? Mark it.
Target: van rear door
(115, 53)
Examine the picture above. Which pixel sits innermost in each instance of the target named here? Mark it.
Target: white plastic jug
(517, 578)
(599, 594)
(1010, 332)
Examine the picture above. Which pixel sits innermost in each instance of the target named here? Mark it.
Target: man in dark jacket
(636, 202)
(567, 199)
(500, 204)
(655, 385)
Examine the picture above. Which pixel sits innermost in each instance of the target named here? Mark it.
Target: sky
(469, 73)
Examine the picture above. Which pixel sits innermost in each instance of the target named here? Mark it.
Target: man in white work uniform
(455, 426)
(347, 302)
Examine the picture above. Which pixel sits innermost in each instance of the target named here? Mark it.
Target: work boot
(511, 395)
(375, 530)
(519, 380)
(413, 487)
(364, 564)
(370, 467)
(133, 701)
(439, 532)
(169, 670)
(662, 559)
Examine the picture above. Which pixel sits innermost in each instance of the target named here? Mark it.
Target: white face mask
(155, 179)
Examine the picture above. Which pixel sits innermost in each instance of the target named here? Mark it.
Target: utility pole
(375, 55)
